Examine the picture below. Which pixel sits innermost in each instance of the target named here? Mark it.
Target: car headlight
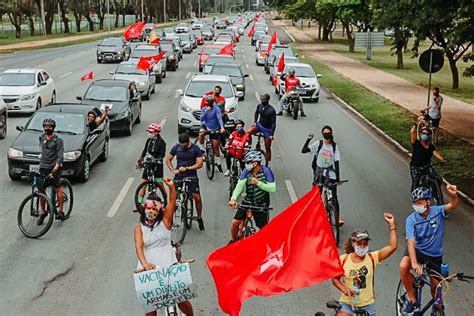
(14, 153)
(122, 115)
(27, 97)
(142, 83)
(72, 155)
(184, 107)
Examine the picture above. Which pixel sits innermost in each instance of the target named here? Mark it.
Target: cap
(358, 235)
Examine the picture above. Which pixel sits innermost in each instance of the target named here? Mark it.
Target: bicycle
(432, 180)
(337, 307)
(150, 187)
(184, 213)
(235, 171)
(209, 155)
(258, 146)
(247, 228)
(30, 208)
(435, 303)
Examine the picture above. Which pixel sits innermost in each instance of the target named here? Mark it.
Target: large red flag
(145, 63)
(295, 250)
(158, 57)
(134, 31)
(89, 76)
(272, 42)
(227, 50)
(281, 63)
(251, 31)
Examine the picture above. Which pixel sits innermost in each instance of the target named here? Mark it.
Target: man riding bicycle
(424, 235)
(291, 83)
(211, 121)
(51, 160)
(259, 182)
(239, 142)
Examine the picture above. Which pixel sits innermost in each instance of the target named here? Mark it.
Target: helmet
(209, 100)
(50, 122)
(253, 155)
(154, 127)
(293, 92)
(421, 193)
(265, 97)
(239, 122)
(291, 72)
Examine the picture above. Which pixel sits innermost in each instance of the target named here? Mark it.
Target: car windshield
(197, 89)
(166, 47)
(106, 93)
(129, 69)
(219, 59)
(17, 79)
(211, 50)
(225, 70)
(112, 42)
(71, 123)
(197, 32)
(137, 53)
(184, 37)
(206, 29)
(304, 72)
(279, 50)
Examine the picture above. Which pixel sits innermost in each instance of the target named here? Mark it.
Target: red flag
(145, 63)
(134, 31)
(227, 50)
(272, 42)
(295, 250)
(89, 76)
(281, 63)
(251, 31)
(158, 57)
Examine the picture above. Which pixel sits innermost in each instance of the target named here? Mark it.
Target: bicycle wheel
(400, 299)
(437, 193)
(68, 197)
(151, 189)
(29, 212)
(249, 230)
(333, 215)
(189, 211)
(438, 311)
(178, 230)
(210, 165)
(232, 182)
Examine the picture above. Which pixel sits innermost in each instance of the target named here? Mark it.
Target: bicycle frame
(419, 282)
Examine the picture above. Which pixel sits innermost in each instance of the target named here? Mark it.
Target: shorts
(371, 309)
(265, 131)
(157, 173)
(260, 218)
(193, 185)
(433, 263)
(435, 122)
(213, 134)
(56, 180)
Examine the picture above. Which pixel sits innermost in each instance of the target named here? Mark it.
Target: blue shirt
(428, 232)
(186, 157)
(212, 120)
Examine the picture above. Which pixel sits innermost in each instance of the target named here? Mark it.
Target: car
(182, 28)
(261, 26)
(235, 30)
(206, 51)
(197, 25)
(177, 43)
(122, 98)
(274, 68)
(144, 79)
(225, 39)
(213, 59)
(199, 37)
(255, 36)
(82, 147)
(113, 49)
(308, 78)
(261, 55)
(207, 33)
(3, 119)
(193, 40)
(146, 50)
(264, 40)
(189, 109)
(220, 25)
(235, 73)
(186, 42)
(172, 62)
(26, 90)
(277, 50)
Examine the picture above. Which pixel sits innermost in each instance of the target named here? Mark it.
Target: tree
(77, 11)
(14, 12)
(326, 16)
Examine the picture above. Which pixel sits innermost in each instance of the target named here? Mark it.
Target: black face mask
(327, 136)
(264, 103)
(48, 131)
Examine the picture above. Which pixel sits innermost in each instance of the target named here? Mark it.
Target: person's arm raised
(171, 206)
(388, 250)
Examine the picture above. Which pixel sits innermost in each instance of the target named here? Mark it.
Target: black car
(235, 73)
(172, 62)
(3, 119)
(113, 49)
(82, 147)
(121, 97)
(208, 33)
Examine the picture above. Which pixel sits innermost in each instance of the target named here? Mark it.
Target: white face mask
(249, 166)
(361, 251)
(420, 209)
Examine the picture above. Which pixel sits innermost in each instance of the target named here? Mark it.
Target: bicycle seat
(334, 305)
(259, 134)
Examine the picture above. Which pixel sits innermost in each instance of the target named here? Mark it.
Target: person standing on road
(51, 161)
(153, 238)
(265, 123)
(357, 285)
(211, 121)
(291, 83)
(188, 161)
(434, 112)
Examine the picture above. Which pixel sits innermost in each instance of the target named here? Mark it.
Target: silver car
(144, 79)
(151, 50)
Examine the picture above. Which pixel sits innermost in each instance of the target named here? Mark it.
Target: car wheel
(38, 104)
(315, 100)
(53, 97)
(86, 169)
(129, 130)
(181, 129)
(154, 89)
(99, 61)
(14, 177)
(159, 78)
(174, 67)
(105, 151)
(3, 126)
(147, 95)
(139, 117)
(163, 75)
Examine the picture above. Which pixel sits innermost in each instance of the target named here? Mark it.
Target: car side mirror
(246, 75)
(20, 128)
(42, 83)
(319, 76)
(79, 98)
(111, 73)
(239, 94)
(179, 92)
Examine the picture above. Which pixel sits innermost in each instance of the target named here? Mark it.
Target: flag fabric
(134, 31)
(153, 38)
(158, 57)
(89, 76)
(227, 50)
(251, 31)
(145, 63)
(272, 42)
(281, 63)
(295, 250)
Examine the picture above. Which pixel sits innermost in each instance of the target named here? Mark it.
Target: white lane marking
(65, 75)
(247, 65)
(163, 121)
(118, 201)
(195, 63)
(187, 76)
(257, 96)
(250, 76)
(291, 191)
(244, 56)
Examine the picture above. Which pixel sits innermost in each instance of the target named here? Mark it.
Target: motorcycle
(292, 104)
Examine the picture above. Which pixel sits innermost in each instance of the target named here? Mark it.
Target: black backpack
(315, 158)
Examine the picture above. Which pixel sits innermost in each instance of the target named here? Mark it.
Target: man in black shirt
(265, 122)
(93, 122)
(421, 155)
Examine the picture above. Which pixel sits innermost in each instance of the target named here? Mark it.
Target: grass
(396, 122)
(28, 38)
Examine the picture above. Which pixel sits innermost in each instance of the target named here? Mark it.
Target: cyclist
(421, 155)
(291, 83)
(211, 120)
(237, 146)
(153, 238)
(259, 182)
(155, 147)
(424, 231)
(93, 122)
(51, 161)
(265, 122)
(357, 284)
(188, 161)
(433, 112)
(325, 163)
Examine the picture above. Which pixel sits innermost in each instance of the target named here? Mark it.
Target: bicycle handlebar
(334, 184)
(254, 208)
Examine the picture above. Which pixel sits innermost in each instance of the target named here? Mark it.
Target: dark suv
(113, 49)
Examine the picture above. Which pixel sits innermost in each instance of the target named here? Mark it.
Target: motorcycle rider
(291, 83)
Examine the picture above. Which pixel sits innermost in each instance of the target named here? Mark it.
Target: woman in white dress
(153, 238)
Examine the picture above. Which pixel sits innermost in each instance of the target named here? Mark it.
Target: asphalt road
(84, 265)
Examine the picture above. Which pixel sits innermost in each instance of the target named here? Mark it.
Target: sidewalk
(458, 116)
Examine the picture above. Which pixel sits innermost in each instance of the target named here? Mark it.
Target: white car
(189, 109)
(150, 50)
(182, 28)
(197, 25)
(274, 68)
(144, 79)
(26, 90)
(308, 78)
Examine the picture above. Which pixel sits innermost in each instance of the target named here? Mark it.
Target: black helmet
(265, 97)
(239, 122)
(49, 122)
(209, 100)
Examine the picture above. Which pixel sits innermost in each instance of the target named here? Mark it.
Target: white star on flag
(274, 258)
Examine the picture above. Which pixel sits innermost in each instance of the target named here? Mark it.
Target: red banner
(89, 76)
(134, 31)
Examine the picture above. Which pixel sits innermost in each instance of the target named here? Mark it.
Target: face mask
(420, 209)
(327, 136)
(425, 137)
(150, 214)
(48, 131)
(361, 251)
(249, 166)
(240, 130)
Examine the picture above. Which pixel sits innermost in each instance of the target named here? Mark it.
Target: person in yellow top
(357, 283)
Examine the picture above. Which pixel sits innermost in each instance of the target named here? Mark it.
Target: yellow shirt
(360, 278)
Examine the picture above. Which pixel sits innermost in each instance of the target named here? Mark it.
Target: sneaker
(280, 113)
(227, 173)
(60, 216)
(408, 307)
(200, 224)
(219, 167)
(303, 115)
(41, 219)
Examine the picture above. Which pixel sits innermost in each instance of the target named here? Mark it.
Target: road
(84, 265)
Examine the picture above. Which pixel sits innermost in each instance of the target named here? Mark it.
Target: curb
(389, 139)
(289, 35)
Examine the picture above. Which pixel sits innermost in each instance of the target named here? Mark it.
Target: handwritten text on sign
(164, 287)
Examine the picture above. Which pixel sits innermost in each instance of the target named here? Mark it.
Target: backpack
(315, 158)
(373, 267)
